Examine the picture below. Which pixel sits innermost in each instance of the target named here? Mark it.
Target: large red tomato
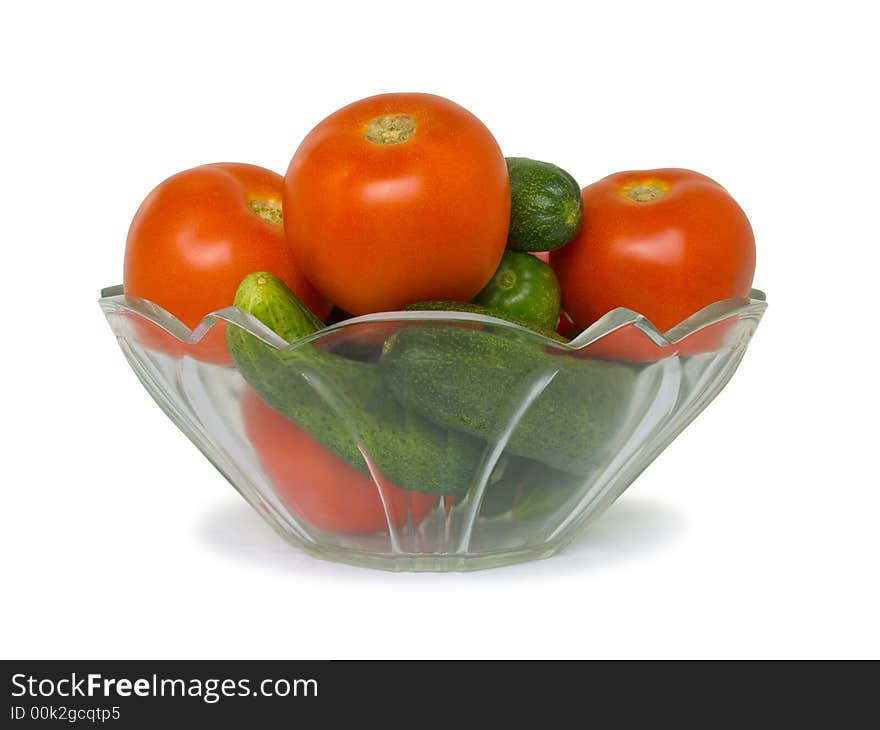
(197, 235)
(665, 243)
(395, 199)
(316, 485)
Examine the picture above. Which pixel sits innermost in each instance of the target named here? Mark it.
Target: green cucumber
(342, 403)
(526, 287)
(543, 493)
(473, 308)
(545, 206)
(473, 381)
(528, 490)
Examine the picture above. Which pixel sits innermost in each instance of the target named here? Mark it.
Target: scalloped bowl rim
(113, 298)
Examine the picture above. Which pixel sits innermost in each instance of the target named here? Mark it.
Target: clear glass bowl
(467, 442)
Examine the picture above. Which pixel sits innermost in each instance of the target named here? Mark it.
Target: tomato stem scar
(645, 192)
(268, 210)
(389, 129)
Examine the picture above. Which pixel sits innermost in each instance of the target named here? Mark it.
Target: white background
(754, 535)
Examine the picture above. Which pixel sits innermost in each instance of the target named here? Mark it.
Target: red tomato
(665, 243)
(395, 199)
(566, 326)
(543, 255)
(197, 235)
(317, 486)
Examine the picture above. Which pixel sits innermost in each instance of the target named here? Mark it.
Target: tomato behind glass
(316, 485)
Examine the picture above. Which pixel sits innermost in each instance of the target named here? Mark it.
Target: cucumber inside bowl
(476, 441)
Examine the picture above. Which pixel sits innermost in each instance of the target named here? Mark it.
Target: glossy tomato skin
(196, 236)
(377, 225)
(316, 485)
(665, 243)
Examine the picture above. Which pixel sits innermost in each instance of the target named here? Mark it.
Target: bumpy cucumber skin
(272, 302)
(545, 205)
(474, 308)
(342, 403)
(471, 381)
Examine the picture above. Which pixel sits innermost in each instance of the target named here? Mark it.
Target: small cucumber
(474, 308)
(545, 206)
(526, 287)
(342, 403)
